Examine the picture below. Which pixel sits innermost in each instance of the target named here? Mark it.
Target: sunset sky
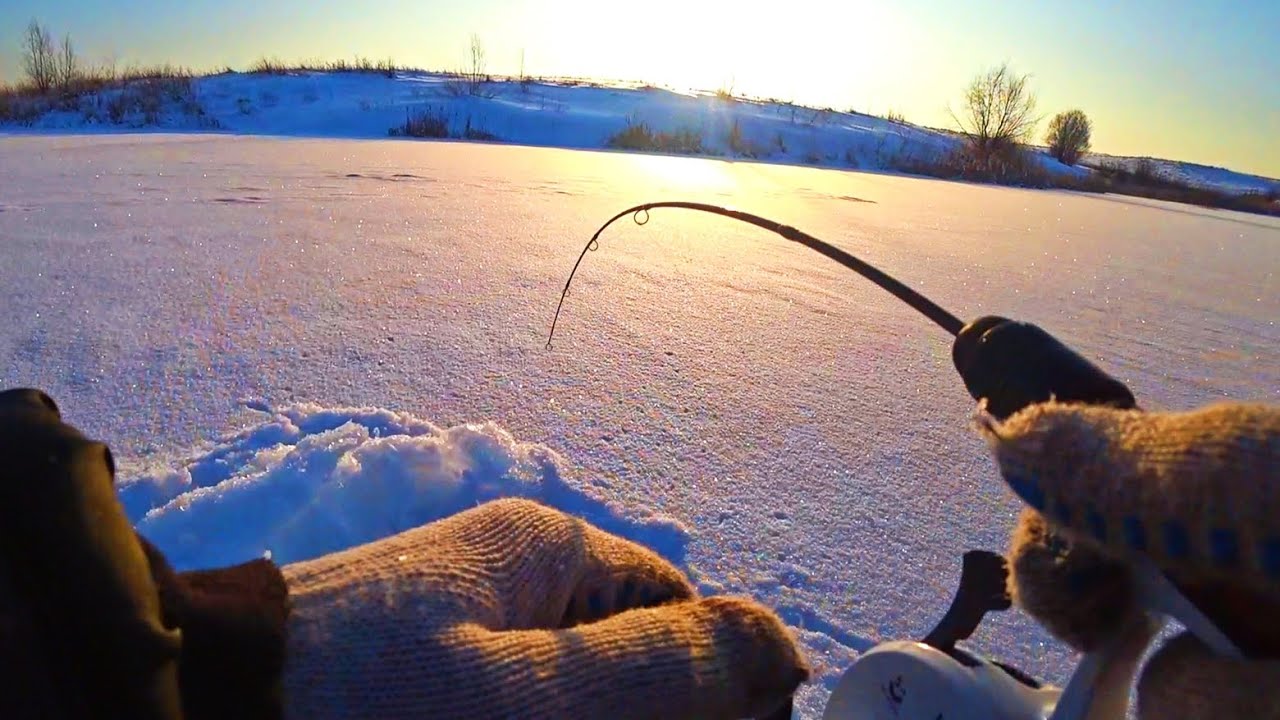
(1177, 79)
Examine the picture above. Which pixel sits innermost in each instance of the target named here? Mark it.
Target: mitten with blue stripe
(1195, 493)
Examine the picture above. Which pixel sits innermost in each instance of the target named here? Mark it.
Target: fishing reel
(1007, 366)
(935, 677)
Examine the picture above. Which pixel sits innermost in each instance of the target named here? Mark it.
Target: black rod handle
(1014, 364)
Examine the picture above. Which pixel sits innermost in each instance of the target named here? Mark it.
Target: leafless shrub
(146, 101)
(360, 64)
(1144, 172)
(998, 112)
(365, 65)
(268, 66)
(455, 84)
(165, 71)
(638, 135)
(819, 116)
(1069, 136)
(1013, 166)
(432, 122)
(1142, 180)
(426, 122)
(477, 132)
(21, 105)
(472, 79)
(740, 145)
(475, 74)
(724, 93)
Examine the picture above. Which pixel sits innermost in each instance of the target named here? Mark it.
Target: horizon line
(366, 64)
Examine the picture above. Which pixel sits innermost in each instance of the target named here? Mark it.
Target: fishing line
(640, 214)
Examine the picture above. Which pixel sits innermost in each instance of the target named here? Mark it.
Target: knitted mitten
(1196, 492)
(515, 610)
(1082, 595)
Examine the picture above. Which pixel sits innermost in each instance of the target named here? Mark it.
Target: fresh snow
(308, 480)
(295, 345)
(585, 116)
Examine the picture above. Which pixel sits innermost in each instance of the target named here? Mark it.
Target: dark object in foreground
(982, 589)
(1013, 365)
(98, 625)
(784, 711)
(77, 584)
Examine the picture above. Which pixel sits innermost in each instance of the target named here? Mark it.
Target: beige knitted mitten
(1196, 492)
(515, 610)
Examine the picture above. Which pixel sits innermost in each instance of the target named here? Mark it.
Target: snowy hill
(569, 114)
(369, 105)
(1185, 173)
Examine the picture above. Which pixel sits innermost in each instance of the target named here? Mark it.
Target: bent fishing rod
(1006, 364)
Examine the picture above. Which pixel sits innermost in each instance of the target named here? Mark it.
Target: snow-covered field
(295, 345)
(368, 105)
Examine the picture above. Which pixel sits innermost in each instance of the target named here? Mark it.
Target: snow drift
(309, 480)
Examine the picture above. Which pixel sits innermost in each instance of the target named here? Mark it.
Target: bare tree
(68, 66)
(39, 57)
(473, 77)
(475, 72)
(998, 111)
(1069, 136)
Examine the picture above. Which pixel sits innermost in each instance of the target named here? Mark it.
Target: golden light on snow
(688, 174)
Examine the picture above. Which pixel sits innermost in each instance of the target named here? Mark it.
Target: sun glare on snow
(679, 173)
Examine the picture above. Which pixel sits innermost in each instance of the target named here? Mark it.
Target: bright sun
(721, 44)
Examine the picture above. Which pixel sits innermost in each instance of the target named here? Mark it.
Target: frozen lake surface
(297, 345)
